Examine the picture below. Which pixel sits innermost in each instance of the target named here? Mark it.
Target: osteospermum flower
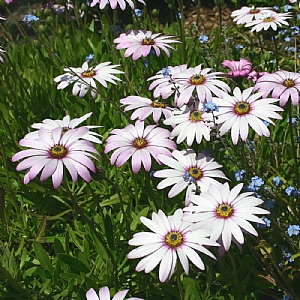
(239, 68)
(191, 123)
(84, 78)
(54, 151)
(226, 212)
(65, 124)
(202, 81)
(163, 83)
(144, 107)
(244, 109)
(269, 19)
(114, 3)
(171, 238)
(283, 85)
(247, 14)
(140, 42)
(104, 294)
(189, 171)
(140, 144)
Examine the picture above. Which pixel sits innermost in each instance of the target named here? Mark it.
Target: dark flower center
(242, 108)
(197, 79)
(195, 173)
(269, 19)
(88, 73)
(140, 143)
(196, 116)
(148, 42)
(158, 104)
(64, 130)
(58, 151)
(224, 211)
(289, 83)
(174, 239)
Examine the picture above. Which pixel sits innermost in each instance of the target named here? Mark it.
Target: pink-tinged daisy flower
(247, 14)
(171, 238)
(244, 109)
(239, 68)
(140, 42)
(226, 212)
(163, 83)
(114, 3)
(191, 123)
(140, 144)
(84, 78)
(145, 107)
(267, 20)
(255, 75)
(65, 124)
(104, 294)
(52, 151)
(202, 81)
(282, 84)
(188, 170)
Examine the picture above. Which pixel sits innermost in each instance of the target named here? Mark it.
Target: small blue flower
(88, 2)
(188, 178)
(166, 72)
(294, 121)
(138, 12)
(286, 297)
(118, 29)
(239, 47)
(30, 19)
(283, 31)
(289, 190)
(287, 7)
(295, 30)
(267, 223)
(89, 58)
(293, 230)
(265, 122)
(276, 8)
(295, 193)
(269, 204)
(210, 106)
(203, 39)
(287, 39)
(257, 181)
(179, 15)
(146, 63)
(239, 175)
(277, 181)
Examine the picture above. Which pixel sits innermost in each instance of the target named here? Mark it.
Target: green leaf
(75, 264)
(42, 256)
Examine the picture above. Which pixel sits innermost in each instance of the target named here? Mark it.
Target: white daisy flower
(84, 78)
(171, 238)
(191, 123)
(226, 212)
(269, 19)
(191, 171)
(247, 14)
(244, 109)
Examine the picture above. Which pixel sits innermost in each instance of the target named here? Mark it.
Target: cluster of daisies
(260, 18)
(195, 101)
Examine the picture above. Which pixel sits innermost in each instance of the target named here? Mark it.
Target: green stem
(294, 150)
(182, 30)
(179, 283)
(276, 53)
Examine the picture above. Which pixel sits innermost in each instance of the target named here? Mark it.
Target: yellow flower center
(254, 11)
(148, 42)
(269, 19)
(195, 173)
(58, 151)
(64, 130)
(196, 116)
(140, 143)
(242, 108)
(174, 239)
(224, 211)
(289, 83)
(197, 79)
(158, 104)
(88, 73)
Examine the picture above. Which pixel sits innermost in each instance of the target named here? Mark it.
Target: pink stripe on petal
(57, 176)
